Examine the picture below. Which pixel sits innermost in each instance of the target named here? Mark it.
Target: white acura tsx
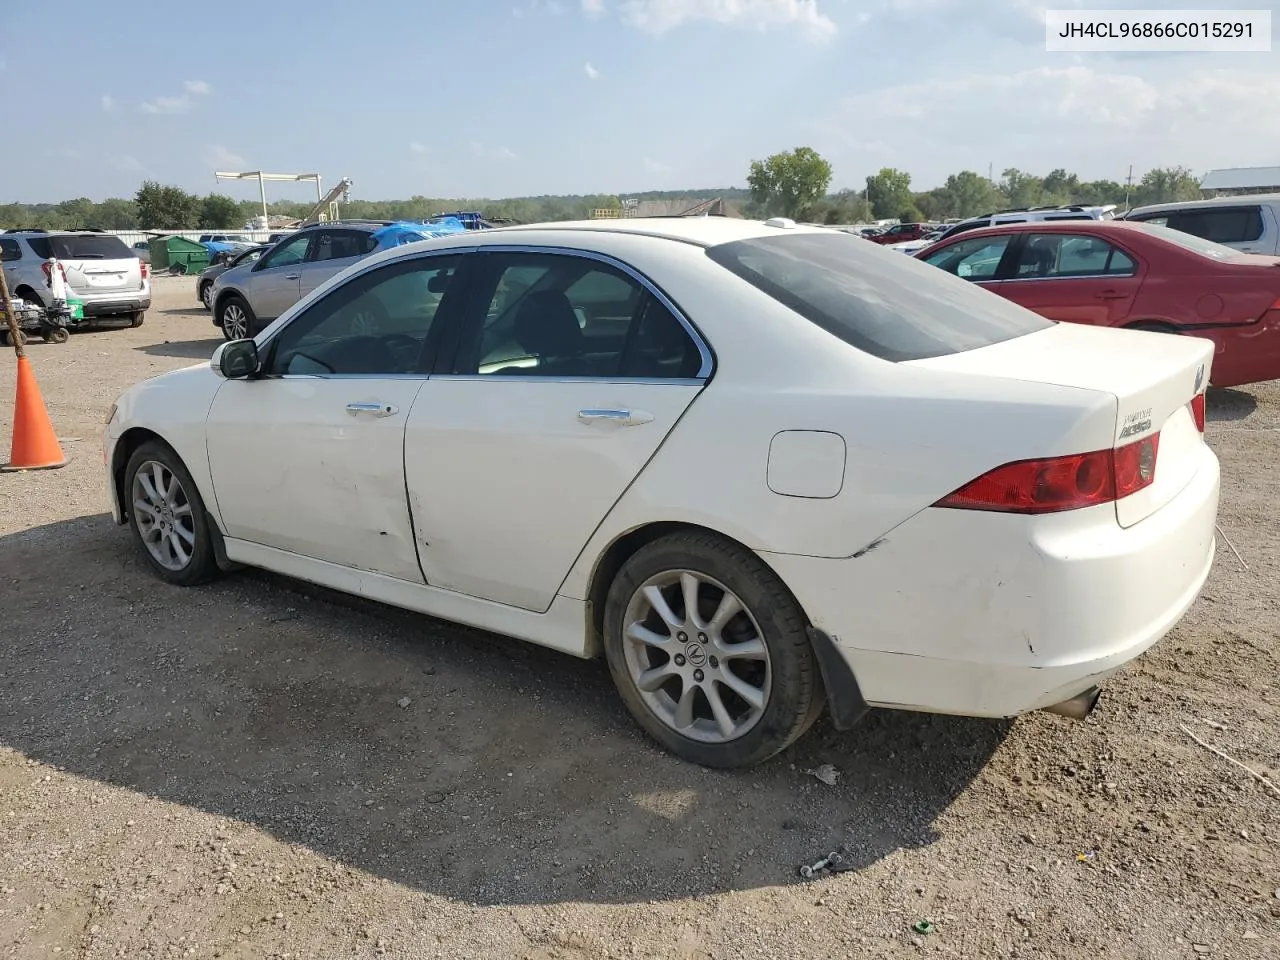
(762, 468)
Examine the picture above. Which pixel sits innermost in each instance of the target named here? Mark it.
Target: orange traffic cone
(35, 445)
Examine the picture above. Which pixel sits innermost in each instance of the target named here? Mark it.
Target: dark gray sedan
(204, 282)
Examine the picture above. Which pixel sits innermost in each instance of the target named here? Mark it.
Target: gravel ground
(228, 771)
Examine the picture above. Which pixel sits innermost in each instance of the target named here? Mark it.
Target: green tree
(166, 208)
(1021, 189)
(220, 213)
(1166, 184)
(114, 214)
(969, 194)
(790, 181)
(1060, 186)
(889, 192)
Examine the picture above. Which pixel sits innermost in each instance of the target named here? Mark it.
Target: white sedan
(762, 468)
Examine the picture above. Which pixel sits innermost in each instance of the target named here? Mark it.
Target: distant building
(716, 207)
(1233, 181)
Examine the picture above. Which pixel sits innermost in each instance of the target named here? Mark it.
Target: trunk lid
(1152, 376)
(97, 263)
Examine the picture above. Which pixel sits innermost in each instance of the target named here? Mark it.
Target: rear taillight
(47, 267)
(1055, 484)
(142, 265)
(1197, 411)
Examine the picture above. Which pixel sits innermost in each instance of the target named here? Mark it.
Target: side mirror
(236, 359)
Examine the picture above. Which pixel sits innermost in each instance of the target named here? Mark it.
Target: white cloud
(593, 8)
(659, 16)
(199, 87)
(220, 158)
(108, 102)
(592, 72)
(417, 147)
(1094, 121)
(492, 153)
(167, 105)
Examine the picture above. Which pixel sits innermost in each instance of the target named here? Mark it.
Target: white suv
(99, 269)
(1028, 215)
(1250, 224)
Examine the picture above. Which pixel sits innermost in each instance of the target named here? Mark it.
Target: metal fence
(130, 237)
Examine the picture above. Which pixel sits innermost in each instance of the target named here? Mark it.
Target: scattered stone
(403, 703)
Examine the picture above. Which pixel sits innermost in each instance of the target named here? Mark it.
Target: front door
(569, 377)
(272, 284)
(976, 259)
(1074, 278)
(309, 457)
(331, 252)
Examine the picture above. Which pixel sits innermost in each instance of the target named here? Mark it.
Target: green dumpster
(178, 255)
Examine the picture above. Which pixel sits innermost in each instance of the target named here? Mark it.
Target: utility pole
(1128, 185)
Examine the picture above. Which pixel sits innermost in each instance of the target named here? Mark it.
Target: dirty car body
(759, 466)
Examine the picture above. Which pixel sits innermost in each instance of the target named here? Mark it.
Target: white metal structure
(262, 179)
(761, 466)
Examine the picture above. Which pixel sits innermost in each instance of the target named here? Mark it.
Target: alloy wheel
(697, 656)
(163, 515)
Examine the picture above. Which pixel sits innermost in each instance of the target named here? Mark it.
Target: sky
(500, 98)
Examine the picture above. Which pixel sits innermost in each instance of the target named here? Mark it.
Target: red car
(902, 232)
(1117, 274)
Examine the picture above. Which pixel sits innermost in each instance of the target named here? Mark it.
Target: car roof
(1260, 198)
(699, 231)
(1054, 226)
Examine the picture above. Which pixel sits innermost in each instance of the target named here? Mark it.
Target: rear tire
(171, 527)
(673, 671)
(6, 338)
(135, 319)
(206, 295)
(59, 335)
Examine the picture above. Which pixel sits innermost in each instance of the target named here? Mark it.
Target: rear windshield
(1190, 241)
(881, 301)
(89, 247)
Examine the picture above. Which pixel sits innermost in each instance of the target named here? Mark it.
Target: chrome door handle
(623, 418)
(292, 276)
(371, 407)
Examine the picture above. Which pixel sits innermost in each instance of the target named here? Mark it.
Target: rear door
(96, 264)
(570, 374)
(331, 252)
(1074, 277)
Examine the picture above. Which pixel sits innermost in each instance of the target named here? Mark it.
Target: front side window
(1066, 255)
(553, 315)
(974, 259)
(378, 324)
(878, 301)
(287, 254)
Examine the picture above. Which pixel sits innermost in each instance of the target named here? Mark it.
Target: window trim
(304, 306)
(705, 369)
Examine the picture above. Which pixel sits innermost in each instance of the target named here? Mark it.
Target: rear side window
(1217, 224)
(9, 250)
(879, 301)
(89, 247)
(40, 247)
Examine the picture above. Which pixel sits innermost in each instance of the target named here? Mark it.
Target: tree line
(795, 183)
(792, 183)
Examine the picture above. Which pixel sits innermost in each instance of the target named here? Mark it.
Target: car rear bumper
(1245, 354)
(993, 615)
(117, 305)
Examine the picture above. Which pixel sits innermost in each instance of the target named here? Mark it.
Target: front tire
(167, 516)
(709, 652)
(236, 319)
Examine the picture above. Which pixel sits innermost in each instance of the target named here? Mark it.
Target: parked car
(1121, 274)
(1248, 224)
(761, 467)
(142, 250)
(901, 232)
(1046, 214)
(204, 281)
(99, 269)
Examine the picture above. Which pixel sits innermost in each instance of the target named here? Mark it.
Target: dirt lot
(226, 772)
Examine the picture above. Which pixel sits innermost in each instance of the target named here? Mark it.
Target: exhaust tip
(1079, 706)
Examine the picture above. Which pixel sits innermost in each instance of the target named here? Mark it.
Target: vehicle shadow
(461, 763)
(1227, 404)
(195, 310)
(191, 349)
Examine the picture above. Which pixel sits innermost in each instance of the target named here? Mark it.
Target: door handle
(292, 276)
(623, 418)
(372, 407)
